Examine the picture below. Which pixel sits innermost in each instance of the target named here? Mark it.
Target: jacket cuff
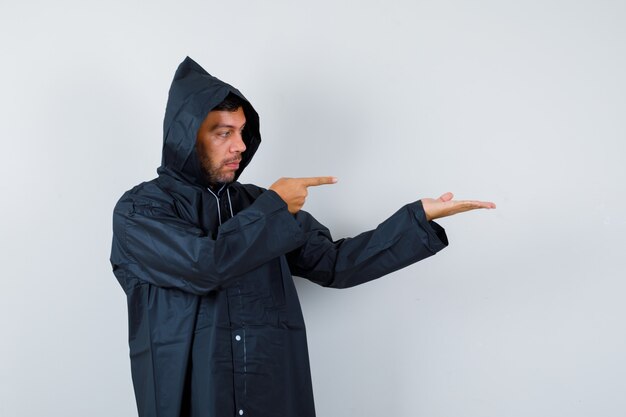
(270, 207)
(433, 236)
(270, 201)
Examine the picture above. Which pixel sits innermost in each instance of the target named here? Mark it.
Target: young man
(215, 326)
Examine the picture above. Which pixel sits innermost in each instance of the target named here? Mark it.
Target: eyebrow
(222, 125)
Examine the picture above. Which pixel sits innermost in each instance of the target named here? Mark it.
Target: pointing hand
(445, 206)
(294, 190)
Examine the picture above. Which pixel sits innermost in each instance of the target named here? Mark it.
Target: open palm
(446, 206)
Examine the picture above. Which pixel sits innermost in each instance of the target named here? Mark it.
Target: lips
(233, 164)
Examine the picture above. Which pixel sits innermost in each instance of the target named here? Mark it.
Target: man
(215, 326)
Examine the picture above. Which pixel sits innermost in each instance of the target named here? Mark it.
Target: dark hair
(232, 102)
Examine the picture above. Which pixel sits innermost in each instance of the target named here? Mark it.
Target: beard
(214, 171)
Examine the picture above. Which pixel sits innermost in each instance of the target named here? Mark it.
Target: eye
(224, 134)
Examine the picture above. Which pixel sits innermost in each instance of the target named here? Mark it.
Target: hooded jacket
(215, 325)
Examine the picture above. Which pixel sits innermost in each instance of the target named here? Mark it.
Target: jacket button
(241, 412)
(238, 338)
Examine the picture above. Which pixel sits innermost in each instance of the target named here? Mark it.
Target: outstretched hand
(445, 206)
(294, 190)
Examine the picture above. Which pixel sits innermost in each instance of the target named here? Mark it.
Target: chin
(226, 178)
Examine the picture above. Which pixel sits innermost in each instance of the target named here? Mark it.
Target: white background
(518, 102)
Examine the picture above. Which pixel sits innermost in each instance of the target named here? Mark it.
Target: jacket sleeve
(153, 244)
(404, 238)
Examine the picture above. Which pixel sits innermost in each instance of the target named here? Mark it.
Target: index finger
(474, 204)
(315, 181)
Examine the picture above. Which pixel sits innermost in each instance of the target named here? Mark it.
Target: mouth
(233, 164)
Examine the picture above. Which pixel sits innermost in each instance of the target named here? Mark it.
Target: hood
(193, 93)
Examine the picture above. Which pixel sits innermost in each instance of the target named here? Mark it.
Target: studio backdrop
(520, 103)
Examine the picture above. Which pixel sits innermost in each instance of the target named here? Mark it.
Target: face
(219, 144)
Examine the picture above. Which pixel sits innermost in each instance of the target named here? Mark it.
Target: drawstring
(219, 213)
(217, 199)
(230, 204)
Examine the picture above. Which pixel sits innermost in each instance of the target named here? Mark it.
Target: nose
(238, 145)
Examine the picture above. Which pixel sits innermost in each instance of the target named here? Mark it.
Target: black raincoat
(215, 325)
